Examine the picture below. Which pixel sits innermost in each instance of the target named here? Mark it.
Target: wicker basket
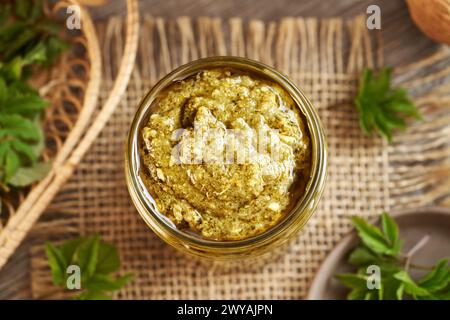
(70, 125)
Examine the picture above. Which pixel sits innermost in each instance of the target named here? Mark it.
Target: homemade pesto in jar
(224, 154)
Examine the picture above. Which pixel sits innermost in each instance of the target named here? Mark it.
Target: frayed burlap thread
(325, 58)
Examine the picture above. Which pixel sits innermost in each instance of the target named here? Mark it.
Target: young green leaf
(36, 11)
(357, 294)
(25, 176)
(5, 13)
(24, 105)
(372, 237)
(16, 126)
(382, 248)
(354, 281)
(27, 38)
(69, 249)
(97, 261)
(390, 229)
(88, 256)
(57, 263)
(22, 8)
(17, 134)
(108, 259)
(27, 31)
(389, 286)
(3, 92)
(400, 291)
(371, 295)
(362, 256)
(438, 278)
(410, 286)
(105, 283)
(380, 107)
(11, 164)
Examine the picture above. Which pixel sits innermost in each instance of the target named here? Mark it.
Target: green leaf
(50, 27)
(57, 263)
(372, 237)
(25, 176)
(55, 46)
(354, 281)
(36, 11)
(19, 135)
(357, 294)
(25, 105)
(382, 126)
(410, 286)
(11, 165)
(24, 149)
(371, 295)
(22, 8)
(69, 249)
(88, 256)
(39, 146)
(390, 228)
(389, 286)
(13, 69)
(380, 107)
(37, 54)
(9, 33)
(362, 256)
(438, 278)
(27, 39)
(28, 31)
(21, 41)
(5, 13)
(108, 259)
(400, 291)
(102, 282)
(97, 260)
(19, 127)
(443, 294)
(3, 92)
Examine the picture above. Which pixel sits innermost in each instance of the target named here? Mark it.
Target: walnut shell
(432, 17)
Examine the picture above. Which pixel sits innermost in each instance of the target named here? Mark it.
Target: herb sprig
(382, 108)
(97, 260)
(382, 247)
(27, 39)
(25, 31)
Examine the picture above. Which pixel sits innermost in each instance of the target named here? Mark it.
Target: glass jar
(255, 246)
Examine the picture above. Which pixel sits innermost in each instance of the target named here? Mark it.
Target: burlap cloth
(366, 175)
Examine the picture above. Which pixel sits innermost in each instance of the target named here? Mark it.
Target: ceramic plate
(413, 225)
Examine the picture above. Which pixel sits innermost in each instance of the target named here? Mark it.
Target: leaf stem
(419, 245)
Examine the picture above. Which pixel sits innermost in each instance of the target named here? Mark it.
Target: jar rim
(305, 205)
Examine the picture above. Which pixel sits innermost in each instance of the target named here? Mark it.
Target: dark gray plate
(413, 224)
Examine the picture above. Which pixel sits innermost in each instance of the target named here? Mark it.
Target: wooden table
(403, 43)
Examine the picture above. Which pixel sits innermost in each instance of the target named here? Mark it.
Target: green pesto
(206, 188)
